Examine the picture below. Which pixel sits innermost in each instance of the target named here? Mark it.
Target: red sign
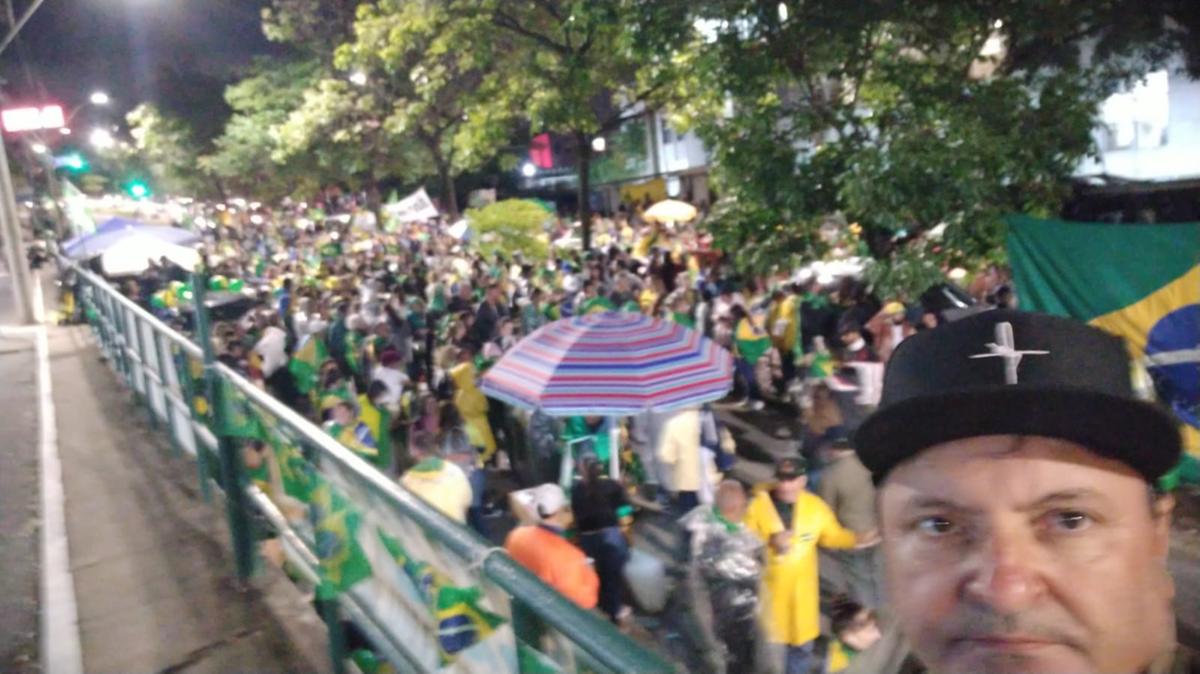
(33, 119)
(540, 152)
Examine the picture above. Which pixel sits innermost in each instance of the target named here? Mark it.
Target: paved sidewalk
(18, 505)
(151, 560)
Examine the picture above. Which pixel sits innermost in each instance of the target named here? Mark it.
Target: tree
(341, 127)
(415, 55)
(244, 155)
(316, 27)
(581, 68)
(510, 226)
(903, 116)
(170, 152)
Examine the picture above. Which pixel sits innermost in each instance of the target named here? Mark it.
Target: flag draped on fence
(336, 523)
(461, 621)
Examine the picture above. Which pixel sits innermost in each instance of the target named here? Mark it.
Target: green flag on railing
(295, 472)
(237, 419)
(342, 561)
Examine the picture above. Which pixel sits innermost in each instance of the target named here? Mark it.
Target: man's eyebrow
(1064, 496)
(935, 503)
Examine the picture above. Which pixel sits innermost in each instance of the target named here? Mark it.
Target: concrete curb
(60, 645)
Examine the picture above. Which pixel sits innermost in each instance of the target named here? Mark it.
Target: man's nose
(1006, 576)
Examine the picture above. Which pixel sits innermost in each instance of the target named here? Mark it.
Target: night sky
(74, 47)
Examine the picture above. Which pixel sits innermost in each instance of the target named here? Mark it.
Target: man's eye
(935, 526)
(1068, 520)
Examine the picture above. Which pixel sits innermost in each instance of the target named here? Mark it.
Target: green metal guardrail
(141, 348)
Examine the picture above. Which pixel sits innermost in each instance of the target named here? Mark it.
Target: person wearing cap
(888, 328)
(792, 522)
(1022, 531)
(543, 550)
(846, 487)
(440, 483)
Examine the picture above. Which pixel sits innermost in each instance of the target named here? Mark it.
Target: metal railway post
(232, 474)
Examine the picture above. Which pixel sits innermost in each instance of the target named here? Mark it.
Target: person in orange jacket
(543, 550)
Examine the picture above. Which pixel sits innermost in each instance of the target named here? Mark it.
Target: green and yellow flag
(239, 419)
(335, 522)
(461, 621)
(1138, 281)
(305, 365)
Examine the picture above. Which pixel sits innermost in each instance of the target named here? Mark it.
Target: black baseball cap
(1006, 372)
(790, 468)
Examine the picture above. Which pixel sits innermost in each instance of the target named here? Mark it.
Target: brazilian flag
(305, 364)
(461, 621)
(596, 305)
(751, 339)
(1138, 281)
(296, 474)
(342, 560)
(239, 420)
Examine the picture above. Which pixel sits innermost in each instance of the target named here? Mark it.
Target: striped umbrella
(612, 363)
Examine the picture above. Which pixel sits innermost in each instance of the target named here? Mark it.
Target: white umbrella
(134, 255)
(670, 210)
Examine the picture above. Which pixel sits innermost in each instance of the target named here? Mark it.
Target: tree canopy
(903, 116)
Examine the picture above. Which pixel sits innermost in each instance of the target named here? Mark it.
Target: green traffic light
(74, 162)
(138, 189)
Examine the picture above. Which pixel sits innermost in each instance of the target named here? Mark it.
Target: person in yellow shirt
(793, 522)
(440, 483)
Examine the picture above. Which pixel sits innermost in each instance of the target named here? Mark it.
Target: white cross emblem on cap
(1005, 347)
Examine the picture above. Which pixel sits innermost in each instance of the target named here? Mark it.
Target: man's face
(343, 414)
(789, 490)
(1007, 554)
(731, 501)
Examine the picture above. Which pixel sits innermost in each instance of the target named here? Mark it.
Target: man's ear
(1161, 510)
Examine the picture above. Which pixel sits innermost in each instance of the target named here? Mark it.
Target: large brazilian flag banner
(1138, 281)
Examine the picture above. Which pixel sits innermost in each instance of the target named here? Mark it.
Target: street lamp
(528, 170)
(101, 139)
(599, 144)
(38, 148)
(99, 98)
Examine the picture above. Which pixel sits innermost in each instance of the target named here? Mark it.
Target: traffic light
(72, 161)
(137, 189)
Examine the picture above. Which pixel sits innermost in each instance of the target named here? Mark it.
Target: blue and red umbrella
(611, 364)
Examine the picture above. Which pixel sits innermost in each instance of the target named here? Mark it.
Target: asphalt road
(19, 519)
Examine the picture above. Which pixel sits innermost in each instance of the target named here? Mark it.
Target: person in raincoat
(728, 559)
(472, 404)
(792, 522)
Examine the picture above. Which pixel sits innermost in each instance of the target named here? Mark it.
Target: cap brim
(1136, 433)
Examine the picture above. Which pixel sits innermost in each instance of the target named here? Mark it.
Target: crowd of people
(381, 335)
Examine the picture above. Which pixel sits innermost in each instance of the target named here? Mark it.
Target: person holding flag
(345, 426)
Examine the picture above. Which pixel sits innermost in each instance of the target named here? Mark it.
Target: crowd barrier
(399, 586)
